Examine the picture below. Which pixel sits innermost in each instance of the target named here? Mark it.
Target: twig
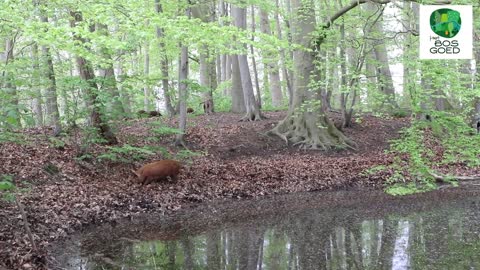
(25, 222)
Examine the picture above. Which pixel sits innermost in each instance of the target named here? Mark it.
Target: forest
(252, 98)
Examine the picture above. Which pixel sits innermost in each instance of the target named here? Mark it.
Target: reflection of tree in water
(441, 239)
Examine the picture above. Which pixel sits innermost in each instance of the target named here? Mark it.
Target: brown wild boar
(190, 110)
(158, 170)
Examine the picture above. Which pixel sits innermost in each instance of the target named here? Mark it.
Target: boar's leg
(148, 180)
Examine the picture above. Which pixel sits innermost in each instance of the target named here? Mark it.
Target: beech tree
(97, 118)
(307, 123)
(252, 109)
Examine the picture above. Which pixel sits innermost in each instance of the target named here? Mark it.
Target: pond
(326, 230)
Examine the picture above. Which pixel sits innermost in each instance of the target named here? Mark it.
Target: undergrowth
(425, 145)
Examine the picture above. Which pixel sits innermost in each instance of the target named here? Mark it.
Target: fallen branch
(443, 178)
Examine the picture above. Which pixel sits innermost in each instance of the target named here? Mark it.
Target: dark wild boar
(154, 113)
(190, 110)
(159, 170)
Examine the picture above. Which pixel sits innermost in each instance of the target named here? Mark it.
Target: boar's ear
(135, 173)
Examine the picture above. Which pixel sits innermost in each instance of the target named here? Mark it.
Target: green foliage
(400, 113)
(7, 187)
(222, 103)
(161, 129)
(6, 136)
(56, 143)
(127, 153)
(401, 190)
(187, 155)
(268, 107)
(415, 156)
(374, 170)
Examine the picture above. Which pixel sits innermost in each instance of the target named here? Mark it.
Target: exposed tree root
(310, 131)
(252, 117)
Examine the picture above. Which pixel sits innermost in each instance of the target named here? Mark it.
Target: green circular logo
(445, 22)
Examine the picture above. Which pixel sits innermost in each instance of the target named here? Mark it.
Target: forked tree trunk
(97, 119)
(252, 108)
(306, 124)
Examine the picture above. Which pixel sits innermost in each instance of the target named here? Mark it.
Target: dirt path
(238, 161)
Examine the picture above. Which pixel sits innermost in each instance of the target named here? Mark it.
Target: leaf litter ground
(237, 161)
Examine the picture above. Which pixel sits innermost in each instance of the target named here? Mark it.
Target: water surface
(329, 230)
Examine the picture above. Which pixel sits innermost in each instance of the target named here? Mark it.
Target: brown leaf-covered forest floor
(237, 161)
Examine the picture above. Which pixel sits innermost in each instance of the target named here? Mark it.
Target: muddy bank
(237, 161)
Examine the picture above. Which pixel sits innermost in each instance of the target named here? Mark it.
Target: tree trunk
(164, 64)
(238, 104)
(228, 74)
(97, 119)
(126, 100)
(475, 117)
(254, 63)
(51, 92)
(306, 124)
(182, 89)
(12, 111)
(384, 76)
(146, 72)
(37, 99)
(286, 76)
(252, 109)
(271, 64)
(109, 83)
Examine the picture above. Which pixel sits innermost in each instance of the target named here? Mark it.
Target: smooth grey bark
(475, 117)
(283, 64)
(384, 76)
(164, 63)
(271, 63)
(37, 98)
(207, 65)
(53, 114)
(146, 72)
(254, 62)
(97, 119)
(218, 66)
(252, 108)
(228, 73)
(238, 104)
(182, 92)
